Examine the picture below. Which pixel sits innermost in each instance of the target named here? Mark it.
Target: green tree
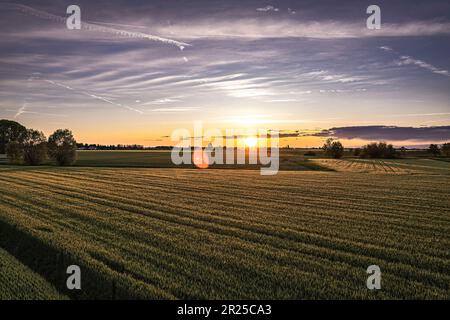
(334, 149)
(62, 147)
(378, 150)
(9, 131)
(434, 150)
(446, 149)
(34, 147)
(14, 152)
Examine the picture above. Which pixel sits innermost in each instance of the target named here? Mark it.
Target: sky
(138, 70)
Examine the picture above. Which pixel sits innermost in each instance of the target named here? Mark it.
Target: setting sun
(251, 142)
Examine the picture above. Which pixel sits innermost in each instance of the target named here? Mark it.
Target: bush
(434, 150)
(62, 147)
(34, 147)
(14, 152)
(446, 149)
(310, 153)
(378, 150)
(334, 149)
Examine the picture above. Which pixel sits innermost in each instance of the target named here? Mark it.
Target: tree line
(443, 150)
(378, 150)
(31, 147)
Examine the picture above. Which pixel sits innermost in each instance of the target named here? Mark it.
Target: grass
(19, 282)
(231, 234)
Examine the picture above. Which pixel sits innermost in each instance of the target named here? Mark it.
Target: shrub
(310, 153)
(434, 150)
(446, 149)
(62, 147)
(333, 148)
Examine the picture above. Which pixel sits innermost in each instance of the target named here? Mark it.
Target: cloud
(21, 110)
(407, 60)
(268, 8)
(161, 101)
(327, 76)
(385, 48)
(94, 96)
(94, 27)
(258, 28)
(183, 109)
(387, 133)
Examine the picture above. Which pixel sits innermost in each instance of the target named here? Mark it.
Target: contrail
(21, 110)
(94, 27)
(94, 96)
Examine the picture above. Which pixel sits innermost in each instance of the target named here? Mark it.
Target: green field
(19, 282)
(289, 160)
(232, 234)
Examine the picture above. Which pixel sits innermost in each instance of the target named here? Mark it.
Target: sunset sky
(303, 67)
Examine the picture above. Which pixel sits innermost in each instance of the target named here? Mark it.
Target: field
(232, 234)
(19, 282)
(289, 160)
(393, 166)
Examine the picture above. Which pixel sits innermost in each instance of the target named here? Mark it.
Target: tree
(333, 148)
(34, 147)
(446, 149)
(378, 150)
(434, 150)
(403, 151)
(62, 147)
(9, 131)
(14, 152)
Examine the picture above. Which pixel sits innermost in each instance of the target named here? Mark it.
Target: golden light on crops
(251, 142)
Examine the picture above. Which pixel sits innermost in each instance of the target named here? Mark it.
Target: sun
(251, 142)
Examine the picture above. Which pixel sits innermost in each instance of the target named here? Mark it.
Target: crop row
(164, 233)
(19, 282)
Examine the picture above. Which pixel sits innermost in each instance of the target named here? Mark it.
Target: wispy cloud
(254, 28)
(94, 96)
(161, 101)
(171, 110)
(268, 8)
(93, 27)
(386, 48)
(407, 60)
(327, 76)
(21, 110)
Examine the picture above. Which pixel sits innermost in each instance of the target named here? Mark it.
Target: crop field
(231, 234)
(19, 282)
(393, 166)
(289, 160)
